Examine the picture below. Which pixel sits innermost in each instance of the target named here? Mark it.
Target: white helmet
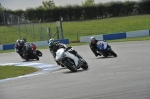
(22, 41)
(92, 38)
(18, 41)
(51, 40)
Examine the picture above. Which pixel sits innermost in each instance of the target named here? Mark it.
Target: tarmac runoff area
(124, 77)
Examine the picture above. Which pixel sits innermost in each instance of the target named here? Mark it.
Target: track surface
(124, 77)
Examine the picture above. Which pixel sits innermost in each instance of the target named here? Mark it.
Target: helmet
(22, 41)
(92, 38)
(51, 42)
(18, 41)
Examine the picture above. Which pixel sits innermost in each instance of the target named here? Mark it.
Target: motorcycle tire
(113, 53)
(36, 57)
(70, 66)
(39, 53)
(85, 66)
(26, 58)
(62, 65)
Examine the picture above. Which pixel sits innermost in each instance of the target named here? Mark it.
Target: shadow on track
(106, 57)
(30, 60)
(80, 70)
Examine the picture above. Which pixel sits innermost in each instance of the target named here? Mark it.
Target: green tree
(88, 3)
(19, 12)
(48, 4)
(144, 6)
(1, 7)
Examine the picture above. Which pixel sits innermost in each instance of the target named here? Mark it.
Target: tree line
(88, 10)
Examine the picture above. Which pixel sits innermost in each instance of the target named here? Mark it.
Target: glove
(68, 48)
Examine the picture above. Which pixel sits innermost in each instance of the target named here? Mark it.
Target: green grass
(14, 71)
(9, 35)
(82, 28)
(6, 51)
(106, 26)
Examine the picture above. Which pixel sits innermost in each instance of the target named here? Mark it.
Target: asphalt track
(124, 77)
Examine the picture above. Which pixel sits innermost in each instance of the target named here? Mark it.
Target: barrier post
(61, 19)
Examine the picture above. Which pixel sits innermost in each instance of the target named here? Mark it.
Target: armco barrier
(65, 41)
(87, 38)
(114, 36)
(1, 47)
(8, 46)
(137, 33)
(38, 44)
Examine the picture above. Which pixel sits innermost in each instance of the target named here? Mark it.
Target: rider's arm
(91, 45)
(94, 50)
(50, 48)
(105, 45)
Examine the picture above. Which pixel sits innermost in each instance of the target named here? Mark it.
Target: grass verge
(14, 71)
(74, 29)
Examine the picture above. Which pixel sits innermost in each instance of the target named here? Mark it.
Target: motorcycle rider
(19, 46)
(54, 46)
(93, 45)
(104, 44)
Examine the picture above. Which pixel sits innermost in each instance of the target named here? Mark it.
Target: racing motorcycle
(28, 53)
(105, 52)
(38, 53)
(67, 57)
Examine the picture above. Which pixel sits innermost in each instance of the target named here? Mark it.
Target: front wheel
(36, 57)
(85, 66)
(39, 53)
(70, 65)
(113, 53)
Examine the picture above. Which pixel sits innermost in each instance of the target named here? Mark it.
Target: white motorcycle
(66, 57)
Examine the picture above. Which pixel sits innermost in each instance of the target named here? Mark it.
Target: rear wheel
(70, 65)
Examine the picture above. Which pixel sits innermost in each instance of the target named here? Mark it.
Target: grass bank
(81, 28)
(14, 71)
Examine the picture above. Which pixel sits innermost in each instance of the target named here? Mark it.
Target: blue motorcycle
(106, 52)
